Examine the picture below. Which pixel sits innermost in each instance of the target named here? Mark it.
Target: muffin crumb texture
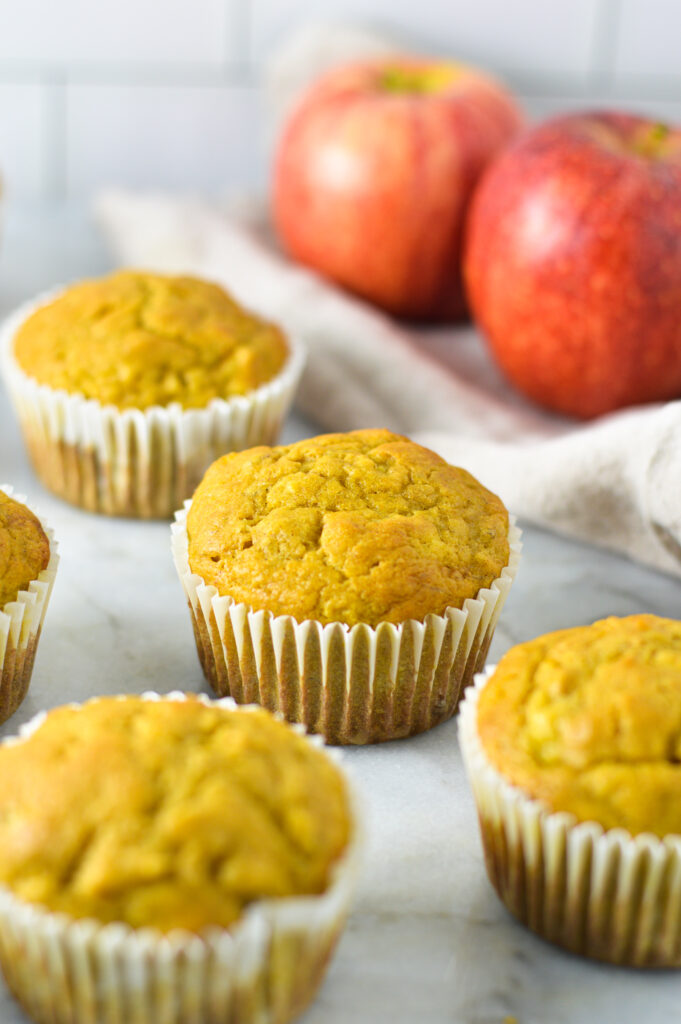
(588, 721)
(359, 527)
(24, 548)
(167, 814)
(135, 339)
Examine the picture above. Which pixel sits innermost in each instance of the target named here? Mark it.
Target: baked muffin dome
(360, 527)
(168, 814)
(136, 339)
(24, 548)
(588, 721)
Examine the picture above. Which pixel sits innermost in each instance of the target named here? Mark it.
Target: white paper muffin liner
(21, 621)
(601, 893)
(264, 970)
(135, 462)
(358, 684)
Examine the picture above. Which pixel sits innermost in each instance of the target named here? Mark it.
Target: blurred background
(150, 94)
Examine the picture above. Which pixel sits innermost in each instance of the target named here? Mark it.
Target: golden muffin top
(360, 527)
(136, 339)
(588, 720)
(167, 814)
(24, 548)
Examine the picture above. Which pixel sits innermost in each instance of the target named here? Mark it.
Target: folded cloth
(614, 482)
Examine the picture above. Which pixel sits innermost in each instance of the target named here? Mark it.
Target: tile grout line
(81, 72)
(604, 46)
(238, 55)
(662, 86)
(54, 117)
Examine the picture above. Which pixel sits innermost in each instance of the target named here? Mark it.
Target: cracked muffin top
(360, 527)
(167, 814)
(588, 721)
(137, 339)
(24, 548)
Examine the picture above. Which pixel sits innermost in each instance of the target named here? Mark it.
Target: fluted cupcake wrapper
(136, 462)
(264, 970)
(355, 685)
(601, 893)
(20, 625)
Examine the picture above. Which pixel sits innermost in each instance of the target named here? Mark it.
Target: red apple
(573, 262)
(374, 172)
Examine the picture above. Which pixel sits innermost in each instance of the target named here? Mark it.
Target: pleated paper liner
(136, 462)
(601, 893)
(264, 970)
(20, 626)
(351, 685)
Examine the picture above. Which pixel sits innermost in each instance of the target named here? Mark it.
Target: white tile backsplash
(60, 32)
(540, 107)
(144, 92)
(23, 140)
(147, 136)
(648, 41)
(525, 37)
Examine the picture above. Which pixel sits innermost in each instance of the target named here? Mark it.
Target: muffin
(127, 387)
(170, 858)
(350, 581)
(28, 566)
(572, 748)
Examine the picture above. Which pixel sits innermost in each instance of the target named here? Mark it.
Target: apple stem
(418, 79)
(650, 142)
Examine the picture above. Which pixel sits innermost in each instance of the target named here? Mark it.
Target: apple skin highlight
(374, 172)
(573, 262)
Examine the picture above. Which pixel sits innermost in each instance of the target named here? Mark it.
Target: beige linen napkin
(616, 482)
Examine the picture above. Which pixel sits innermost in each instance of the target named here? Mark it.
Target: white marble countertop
(428, 942)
